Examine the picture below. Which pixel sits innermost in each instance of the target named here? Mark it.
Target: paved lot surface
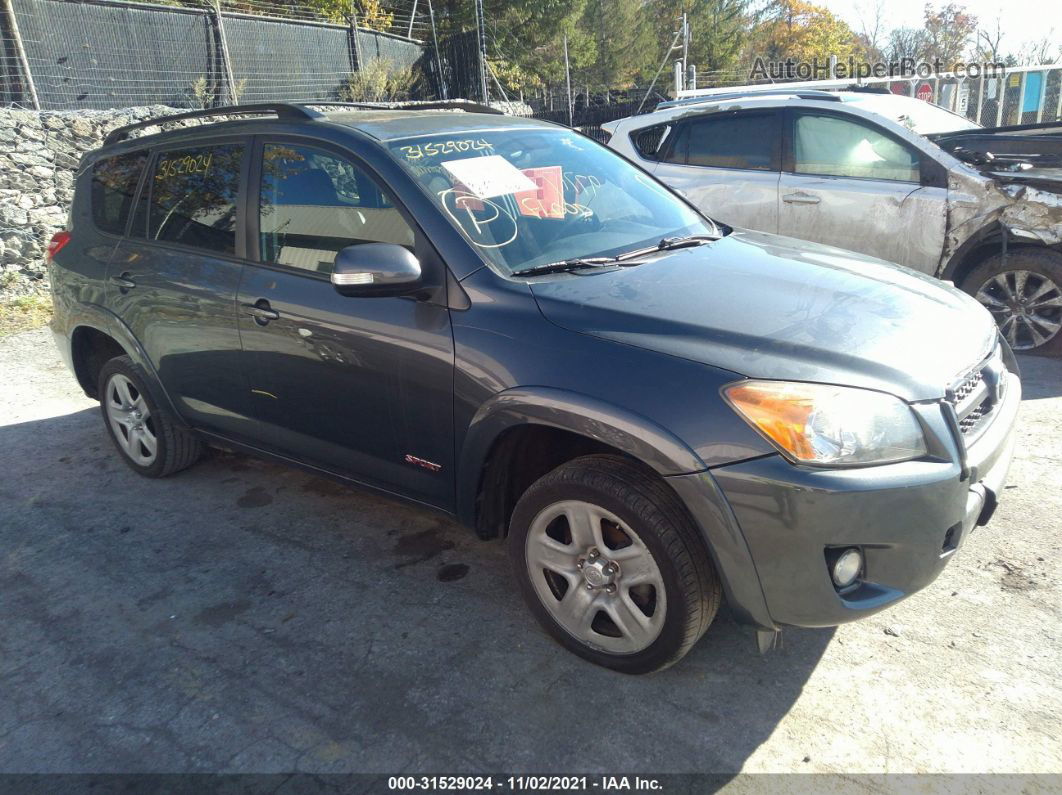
(247, 617)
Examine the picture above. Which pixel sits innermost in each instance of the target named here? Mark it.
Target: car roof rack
(800, 93)
(446, 104)
(294, 110)
(283, 110)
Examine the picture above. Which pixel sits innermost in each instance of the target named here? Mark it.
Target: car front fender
(635, 435)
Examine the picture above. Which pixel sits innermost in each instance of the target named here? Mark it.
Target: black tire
(647, 506)
(175, 448)
(1045, 265)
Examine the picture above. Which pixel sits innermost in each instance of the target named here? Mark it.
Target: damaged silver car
(885, 175)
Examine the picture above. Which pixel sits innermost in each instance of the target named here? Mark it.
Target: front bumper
(908, 519)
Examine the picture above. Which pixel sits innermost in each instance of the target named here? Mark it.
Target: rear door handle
(800, 198)
(123, 281)
(261, 311)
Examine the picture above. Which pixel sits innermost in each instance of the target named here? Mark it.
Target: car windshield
(915, 114)
(530, 197)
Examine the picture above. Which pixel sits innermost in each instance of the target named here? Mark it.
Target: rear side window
(649, 141)
(114, 181)
(191, 197)
(747, 141)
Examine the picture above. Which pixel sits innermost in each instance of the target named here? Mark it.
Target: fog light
(846, 568)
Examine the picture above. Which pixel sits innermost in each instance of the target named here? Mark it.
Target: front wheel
(1024, 294)
(611, 565)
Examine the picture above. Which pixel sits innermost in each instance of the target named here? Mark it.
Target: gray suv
(506, 322)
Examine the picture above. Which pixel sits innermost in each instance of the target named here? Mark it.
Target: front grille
(975, 396)
(970, 421)
(967, 386)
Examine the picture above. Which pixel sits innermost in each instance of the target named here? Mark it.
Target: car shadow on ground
(244, 616)
(1041, 376)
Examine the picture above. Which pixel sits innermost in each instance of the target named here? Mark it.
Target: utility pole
(226, 59)
(481, 28)
(27, 75)
(438, 58)
(685, 42)
(412, 16)
(356, 35)
(568, 79)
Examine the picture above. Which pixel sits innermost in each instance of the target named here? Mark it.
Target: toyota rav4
(504, 321)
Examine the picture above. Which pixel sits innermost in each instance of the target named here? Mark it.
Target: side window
(191, 197)
(648, 141)
(114, 182)
(746, 140)
(839, 147)
(313, 203)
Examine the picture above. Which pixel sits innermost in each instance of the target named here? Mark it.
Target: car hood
(1021, 146)
(766, 306)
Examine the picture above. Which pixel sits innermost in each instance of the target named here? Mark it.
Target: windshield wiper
(564, 266)
(668, 244)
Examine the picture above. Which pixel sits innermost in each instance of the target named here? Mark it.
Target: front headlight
(829, 425)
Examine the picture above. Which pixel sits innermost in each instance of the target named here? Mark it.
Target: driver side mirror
(376, 269)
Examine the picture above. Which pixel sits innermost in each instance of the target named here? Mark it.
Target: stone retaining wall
(39, 155)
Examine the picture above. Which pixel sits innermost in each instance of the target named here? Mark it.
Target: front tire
(1024, 295)
(612, 566)
(146, 436)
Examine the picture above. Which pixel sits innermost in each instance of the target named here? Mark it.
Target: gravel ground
(244, 617)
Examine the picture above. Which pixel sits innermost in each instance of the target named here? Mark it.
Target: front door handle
(800, 198)
(124, 282)
(261, 312)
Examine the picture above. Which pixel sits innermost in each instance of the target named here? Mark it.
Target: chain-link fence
(98, 54)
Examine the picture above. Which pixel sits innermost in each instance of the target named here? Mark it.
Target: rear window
(191, 197)
(746, 141)
(114, 181)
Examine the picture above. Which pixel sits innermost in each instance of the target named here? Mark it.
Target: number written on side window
(114, 182)
(191, 197)
(314, 203)
(838, 147)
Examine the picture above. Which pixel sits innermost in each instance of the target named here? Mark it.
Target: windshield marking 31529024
(541, 200)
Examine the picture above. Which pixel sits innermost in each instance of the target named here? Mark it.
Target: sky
(1021, 20)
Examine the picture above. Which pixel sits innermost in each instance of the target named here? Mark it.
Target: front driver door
(727, 164)
(848, 183)
(359, 386)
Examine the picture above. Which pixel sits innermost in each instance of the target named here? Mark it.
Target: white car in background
(890, 176)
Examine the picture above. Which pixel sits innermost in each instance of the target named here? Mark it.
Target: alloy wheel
(1026, 305)
(596, 577)
(131, 420)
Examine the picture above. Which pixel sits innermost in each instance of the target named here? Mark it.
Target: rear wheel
(611, 565)
(1024, 295)
(145, 434)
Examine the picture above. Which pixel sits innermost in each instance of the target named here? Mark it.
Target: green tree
(802, 31)
(948, 31)
(624, 45)
(719, 30)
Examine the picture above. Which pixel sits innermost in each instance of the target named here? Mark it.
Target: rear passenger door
(727, 163)
(173, 279)
(359, 386)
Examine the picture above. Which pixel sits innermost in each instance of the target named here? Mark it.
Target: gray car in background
(885, 175)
